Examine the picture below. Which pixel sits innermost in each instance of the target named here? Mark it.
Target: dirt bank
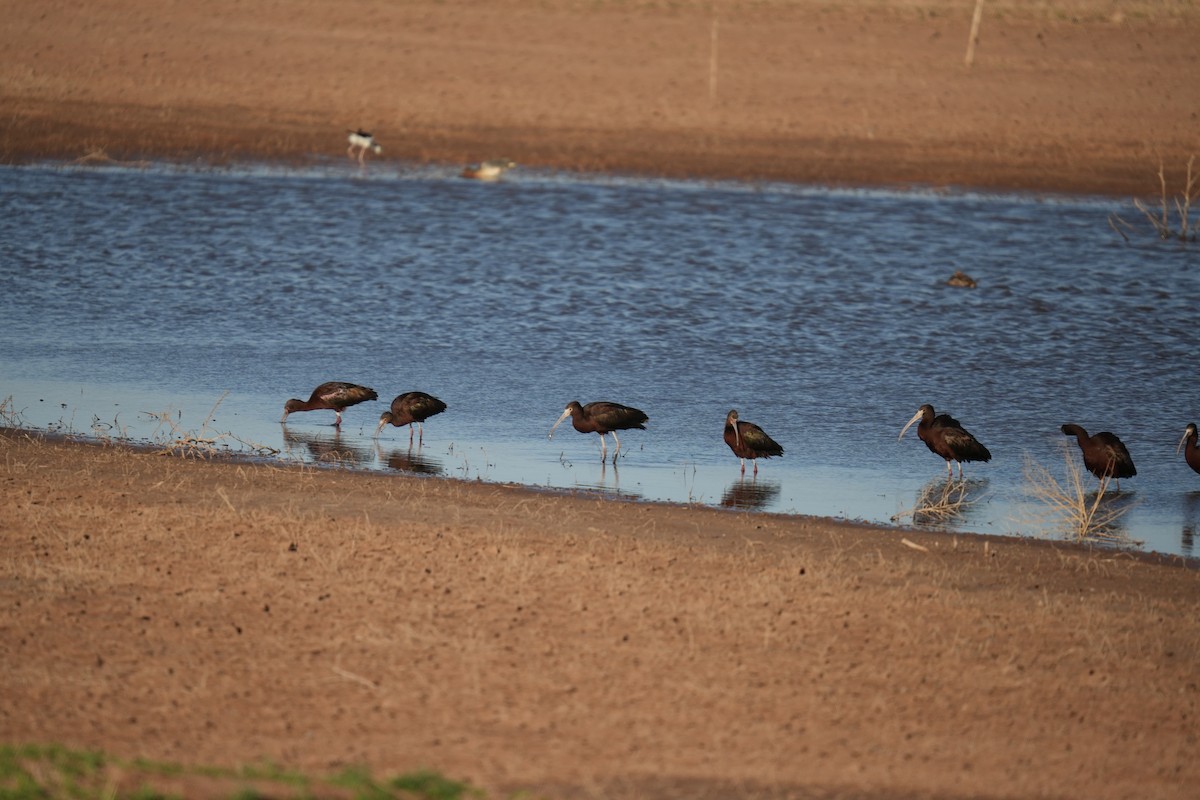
(576, 647)
(1078, 96)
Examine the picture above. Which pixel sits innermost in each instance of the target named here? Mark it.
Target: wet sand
(574, 647)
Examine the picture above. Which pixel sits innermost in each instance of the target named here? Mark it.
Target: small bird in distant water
(747, 440)
(602, 417)
(333, 395)
(408, 408)
(362, 141)
(1104, 455)
(943, 435)
(961, 280)
(488, 170)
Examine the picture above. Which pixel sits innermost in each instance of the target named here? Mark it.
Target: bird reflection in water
(608, 483)
(1191, 522)
(407, 459)
(324, 448)
(750, 494)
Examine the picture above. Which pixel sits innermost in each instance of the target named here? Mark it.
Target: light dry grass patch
(1072, 510)
(206, 442)
(940, 502)
(1160, 219)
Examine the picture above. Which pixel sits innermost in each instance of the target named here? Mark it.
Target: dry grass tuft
(10, 417)
(173, 440)
(1080, 514)
(1161, 220)
(940, 502)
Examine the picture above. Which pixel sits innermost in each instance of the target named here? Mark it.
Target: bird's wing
(757, 438)
(963, 443)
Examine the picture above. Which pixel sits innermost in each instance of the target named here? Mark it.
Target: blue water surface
(138, 302)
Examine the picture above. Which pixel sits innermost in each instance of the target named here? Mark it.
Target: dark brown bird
(602, 417)
(334, 395)
(943, 435)
(408, 408)
(1104, 455)
(1191, 452)
(747, 440)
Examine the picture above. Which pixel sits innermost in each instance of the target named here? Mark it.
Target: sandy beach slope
(574, 646)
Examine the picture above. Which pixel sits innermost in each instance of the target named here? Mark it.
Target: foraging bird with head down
(408, 408)
(747, 440)
(333, 395)
(1191, 449)
(602, 417)
(943, 435)
(1104, 455)
(362, 141)
(488, 170)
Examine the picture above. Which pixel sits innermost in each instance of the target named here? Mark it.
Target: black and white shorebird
(362, 141)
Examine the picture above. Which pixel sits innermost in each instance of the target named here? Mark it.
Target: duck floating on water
(488, 170)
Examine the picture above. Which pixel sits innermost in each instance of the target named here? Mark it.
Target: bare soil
(576, 647)
(573, 646)
(1075, 96)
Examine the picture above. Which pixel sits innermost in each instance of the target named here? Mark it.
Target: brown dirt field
(575, 647)
(1075, 96)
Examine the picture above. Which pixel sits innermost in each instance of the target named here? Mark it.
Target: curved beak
(1186, 434)
(284, 417)
(908, 425)
(737, 434)
(566, 413)
(382, 422)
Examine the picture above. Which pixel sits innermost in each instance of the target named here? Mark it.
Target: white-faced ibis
(943, 435)
(488, 170)
(1104, 455)
(747, 440)
(1191, 449)
(411, 407)
(334, 395)
(362, 141)
(602, 417)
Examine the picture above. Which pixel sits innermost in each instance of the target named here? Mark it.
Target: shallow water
(821, 315)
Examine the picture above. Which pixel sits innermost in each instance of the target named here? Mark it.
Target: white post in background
(970, 59)
(712, 58)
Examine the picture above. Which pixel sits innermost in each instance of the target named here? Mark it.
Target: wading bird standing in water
(1104, 455)
(747, 440)
(1191, 450)
(943, 435)
(334, 395)
(362, 141)
(602, 417)
(408, 408)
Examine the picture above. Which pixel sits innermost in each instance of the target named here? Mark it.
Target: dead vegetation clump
(1080, 514)
(940, 502)
(1160, 219)
(173, 439)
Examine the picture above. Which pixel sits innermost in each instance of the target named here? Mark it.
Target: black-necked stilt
(363, 141)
